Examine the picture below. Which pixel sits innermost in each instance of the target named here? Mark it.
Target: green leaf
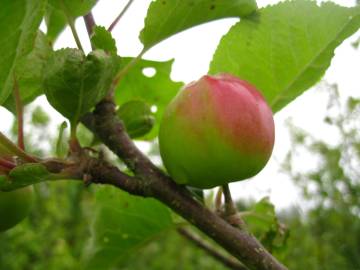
(286, 48)
(74, 83)
(102, 39)
(168, 17)
(29, 72)
(137, 118)
(39, 117)
(261, 217)
(19, 22)
(24, 175)
(28, 174)
(262, 222)
(9, 149)
(55, 20)
(55, 17)
(122, 224)
(156, 90)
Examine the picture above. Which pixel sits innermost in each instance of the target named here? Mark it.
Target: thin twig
(4, 170)
(117, 19)
(70, 20)
(7, 164)
(229, 262)
(90, 24)
(20, 115)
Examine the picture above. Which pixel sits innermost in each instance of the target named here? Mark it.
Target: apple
(14, 206)
(217, 130)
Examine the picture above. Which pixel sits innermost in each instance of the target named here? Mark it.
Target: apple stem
(218, 201)
(231, 212)
(230, 208)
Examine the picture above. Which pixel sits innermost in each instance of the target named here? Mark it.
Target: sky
(192, 51)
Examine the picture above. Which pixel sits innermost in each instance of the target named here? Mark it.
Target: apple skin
(14, 206)
(217, 130)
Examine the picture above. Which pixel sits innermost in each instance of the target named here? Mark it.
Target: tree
(87, 89)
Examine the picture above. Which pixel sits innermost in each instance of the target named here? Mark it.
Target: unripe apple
(215, 131)
(14, 206)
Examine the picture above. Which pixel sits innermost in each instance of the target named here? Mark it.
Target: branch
(104, 123)
(92, 170)
(103, 119)
(227, 261)
(117, 19)
(103, 173)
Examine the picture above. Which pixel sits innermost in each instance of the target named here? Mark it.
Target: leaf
(24, 175)
(39, 118)
(9, 149)
(28, 174)
(55, 20)
(74, 83)
(282, 51)
(122, 224)
(263, 223)
(19, 22)
(55, 17)
(137, 118)
(29, 72)
(262, 216)
(102, 39)
(156, 90)
(168, 17)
